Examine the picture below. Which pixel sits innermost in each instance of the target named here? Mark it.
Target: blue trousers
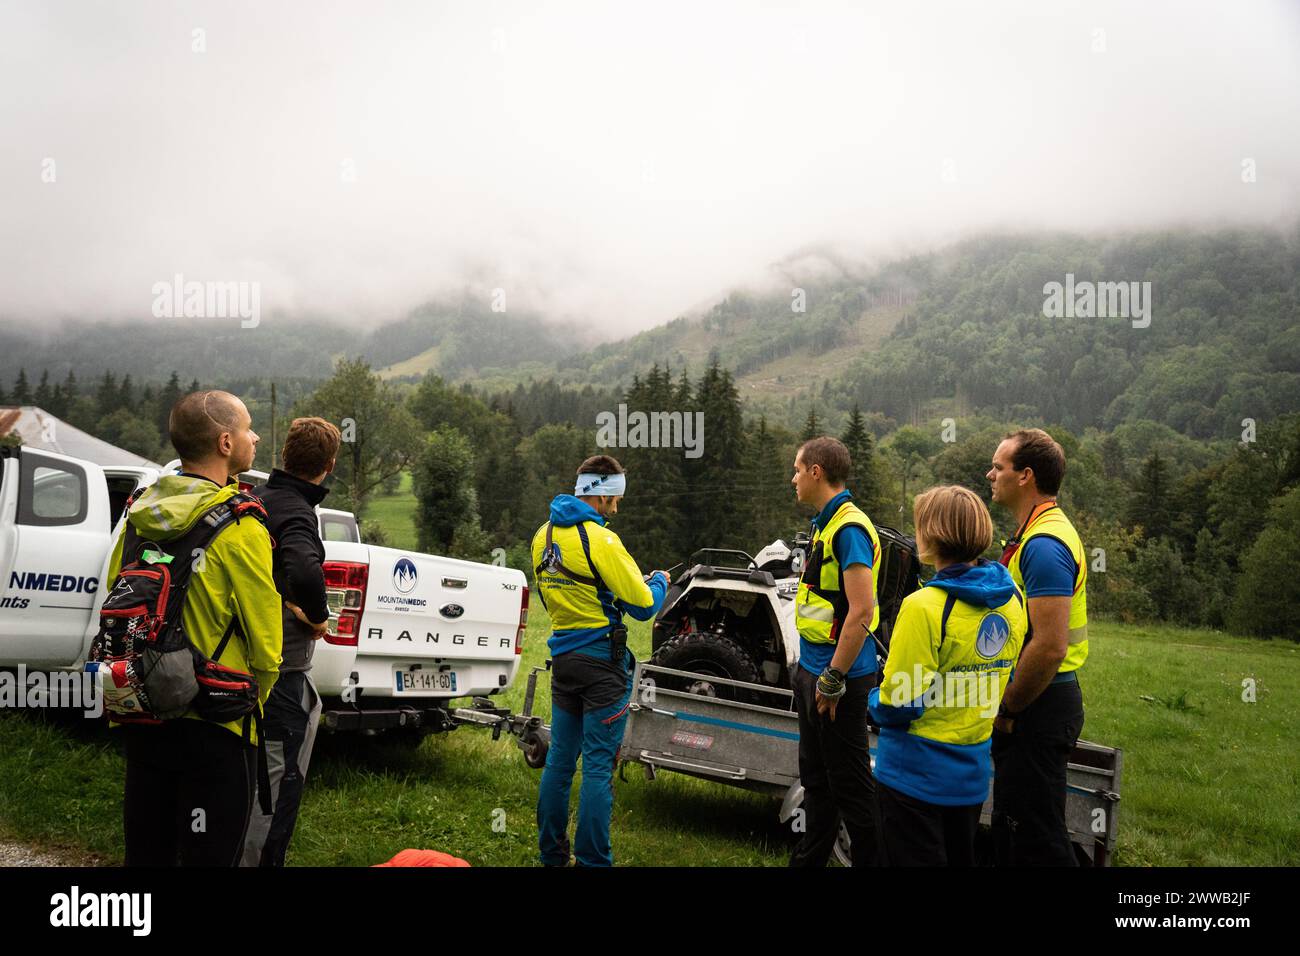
(589, 701)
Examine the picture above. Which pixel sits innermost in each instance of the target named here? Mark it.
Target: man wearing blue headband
(587, 580)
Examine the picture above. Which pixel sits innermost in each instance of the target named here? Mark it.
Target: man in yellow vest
(836, 614)
(1042, 711)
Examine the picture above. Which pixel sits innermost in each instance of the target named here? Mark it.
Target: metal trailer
(756, 746)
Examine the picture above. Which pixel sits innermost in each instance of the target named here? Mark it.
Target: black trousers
(189, 793)
(916, 833)
(1029, 778)
(835, 770)
(289, 724)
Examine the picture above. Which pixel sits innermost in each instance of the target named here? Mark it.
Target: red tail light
(523, 623)
(345, 589)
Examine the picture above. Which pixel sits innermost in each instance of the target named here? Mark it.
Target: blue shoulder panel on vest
(1048, 567)
(853, 546)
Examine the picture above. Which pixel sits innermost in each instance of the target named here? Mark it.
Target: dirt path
(18, 854)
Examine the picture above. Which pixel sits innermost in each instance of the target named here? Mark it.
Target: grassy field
(1208, 778)
(395, 513)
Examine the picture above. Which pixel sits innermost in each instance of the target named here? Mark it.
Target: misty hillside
(460, 340)
(454, 340)
(963, 331)
(953, 332)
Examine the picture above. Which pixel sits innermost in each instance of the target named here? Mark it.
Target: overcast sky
(613, 161)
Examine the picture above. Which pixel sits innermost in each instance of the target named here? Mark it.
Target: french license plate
(413, 680)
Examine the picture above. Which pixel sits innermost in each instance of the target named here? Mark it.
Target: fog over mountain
(605, 163)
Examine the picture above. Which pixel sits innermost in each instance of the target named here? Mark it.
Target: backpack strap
(597, 580)
(254, 719)
(225, 638)
(551, 559)
(949, 603)
(611, 612)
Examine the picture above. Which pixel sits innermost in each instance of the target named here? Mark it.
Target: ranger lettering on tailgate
(458, 640)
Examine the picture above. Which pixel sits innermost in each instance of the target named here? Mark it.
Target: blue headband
(589, 484)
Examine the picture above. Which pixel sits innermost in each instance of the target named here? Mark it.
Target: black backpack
(152, 671)
(899, 576)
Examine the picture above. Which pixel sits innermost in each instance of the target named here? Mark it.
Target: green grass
(395, 513)
(1208, 781)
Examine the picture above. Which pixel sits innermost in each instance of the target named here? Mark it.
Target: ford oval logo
(404, 575)
(451, 610)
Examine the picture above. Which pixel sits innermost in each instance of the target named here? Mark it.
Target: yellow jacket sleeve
(619, 570)
(114, 563)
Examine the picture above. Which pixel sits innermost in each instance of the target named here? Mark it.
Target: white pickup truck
(409, 632)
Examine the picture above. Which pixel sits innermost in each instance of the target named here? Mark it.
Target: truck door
(54, 528)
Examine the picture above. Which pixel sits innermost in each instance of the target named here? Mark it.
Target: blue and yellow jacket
(951, 654)
(582, 613)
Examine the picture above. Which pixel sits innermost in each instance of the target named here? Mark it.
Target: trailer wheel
(535, 749)
(843, 846)
(706, 655)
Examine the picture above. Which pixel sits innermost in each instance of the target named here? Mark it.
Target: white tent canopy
(39, 429)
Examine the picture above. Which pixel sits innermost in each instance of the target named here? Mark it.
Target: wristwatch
(1007, 714)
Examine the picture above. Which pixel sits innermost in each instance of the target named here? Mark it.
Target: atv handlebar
(750, 562)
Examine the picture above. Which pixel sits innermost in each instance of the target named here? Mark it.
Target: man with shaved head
(190, 781)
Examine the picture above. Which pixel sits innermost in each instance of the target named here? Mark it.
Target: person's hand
(826, 705)
(667, 579)
(1004, 724)
(319, 630)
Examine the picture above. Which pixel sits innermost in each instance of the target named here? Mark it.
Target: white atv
(733, 618)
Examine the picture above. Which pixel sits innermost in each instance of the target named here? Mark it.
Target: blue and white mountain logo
(994, 631)
(404, 575)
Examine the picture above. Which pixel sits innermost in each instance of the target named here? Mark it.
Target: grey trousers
(289, 725)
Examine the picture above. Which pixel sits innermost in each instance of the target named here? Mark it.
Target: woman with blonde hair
(951, 654)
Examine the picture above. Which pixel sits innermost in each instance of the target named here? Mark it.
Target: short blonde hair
(954, 522)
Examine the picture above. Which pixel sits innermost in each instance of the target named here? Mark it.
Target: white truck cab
(57, 519)
(408, 632)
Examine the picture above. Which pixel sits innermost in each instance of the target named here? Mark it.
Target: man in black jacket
(292, 712)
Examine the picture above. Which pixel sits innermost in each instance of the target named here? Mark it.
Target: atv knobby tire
(709, 655)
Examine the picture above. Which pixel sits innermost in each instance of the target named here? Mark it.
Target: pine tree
(169, 396)
(767, 472)
(720, 509)
(1148, 504)
(1112, 457)
(22, 391)
(863, 479)
(44, 396)
(106, 394)
(811, 427)
(658, 476)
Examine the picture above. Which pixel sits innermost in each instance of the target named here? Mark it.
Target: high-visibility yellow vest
(1053, 523)
(820, 606)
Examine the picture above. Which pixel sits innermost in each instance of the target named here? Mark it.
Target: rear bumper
(343, 719)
